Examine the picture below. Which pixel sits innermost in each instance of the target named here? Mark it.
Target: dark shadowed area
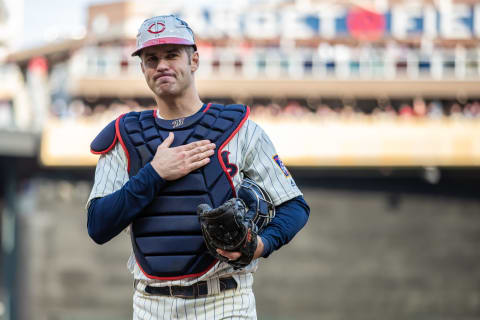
(384, 251)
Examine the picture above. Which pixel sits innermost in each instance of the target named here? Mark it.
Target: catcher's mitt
(227, 228)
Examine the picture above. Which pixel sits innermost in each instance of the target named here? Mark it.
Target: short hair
(188, 49)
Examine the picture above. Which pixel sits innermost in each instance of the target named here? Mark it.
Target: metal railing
(324, 62)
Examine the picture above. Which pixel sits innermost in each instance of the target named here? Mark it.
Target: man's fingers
(194, 145)
(202, 155)
(198, 164)
(168, 141)
(200, 152)
(172, 163)
(197, 158)
(231, 255)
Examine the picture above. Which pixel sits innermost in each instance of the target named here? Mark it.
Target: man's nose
(162, 64)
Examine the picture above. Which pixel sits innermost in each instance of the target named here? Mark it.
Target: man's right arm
(113, 207)
(109, 215)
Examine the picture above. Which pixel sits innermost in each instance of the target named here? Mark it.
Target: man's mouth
(163, 77)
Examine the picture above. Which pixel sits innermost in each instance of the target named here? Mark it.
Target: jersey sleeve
(264, 166)
(110, 174)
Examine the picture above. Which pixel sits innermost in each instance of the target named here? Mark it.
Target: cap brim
(160, 41)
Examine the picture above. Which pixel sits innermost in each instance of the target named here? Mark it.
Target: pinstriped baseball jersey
(249, 153)
(229, 304)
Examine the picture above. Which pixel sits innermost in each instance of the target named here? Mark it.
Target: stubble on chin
(166, 92)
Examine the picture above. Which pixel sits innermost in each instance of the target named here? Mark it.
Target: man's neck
(178, 107)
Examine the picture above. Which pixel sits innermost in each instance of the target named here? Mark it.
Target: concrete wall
(69, 276)
(359, 257)
(362, 255)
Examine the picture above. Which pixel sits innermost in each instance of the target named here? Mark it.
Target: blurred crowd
(417, 108)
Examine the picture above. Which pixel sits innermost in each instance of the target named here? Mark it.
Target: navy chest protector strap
(166, 236)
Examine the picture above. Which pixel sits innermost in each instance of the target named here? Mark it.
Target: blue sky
(45, 19)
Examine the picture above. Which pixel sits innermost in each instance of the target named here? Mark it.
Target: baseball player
(156, 167)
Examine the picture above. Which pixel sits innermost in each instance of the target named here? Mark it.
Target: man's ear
(195, 61)
(141, 65)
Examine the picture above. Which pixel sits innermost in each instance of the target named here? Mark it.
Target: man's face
(168, 69)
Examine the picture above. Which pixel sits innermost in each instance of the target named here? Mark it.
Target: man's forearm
(109, 215)
(290, 217)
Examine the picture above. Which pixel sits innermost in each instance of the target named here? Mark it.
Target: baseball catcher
(234, 225)
(157, 166)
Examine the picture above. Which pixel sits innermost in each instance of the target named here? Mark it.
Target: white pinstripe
(252, 152)
(220, 306)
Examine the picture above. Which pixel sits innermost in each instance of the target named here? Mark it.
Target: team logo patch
(232, 169)
(280, 164)
(177, 122)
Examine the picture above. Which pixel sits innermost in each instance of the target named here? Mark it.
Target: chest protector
(166, 237)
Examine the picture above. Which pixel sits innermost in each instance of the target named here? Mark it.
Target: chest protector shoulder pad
(166, 236)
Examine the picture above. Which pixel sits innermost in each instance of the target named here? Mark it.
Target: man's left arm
(263, 165)
(290, 217)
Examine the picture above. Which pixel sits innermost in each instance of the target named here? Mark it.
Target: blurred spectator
(99, 109)
(274, 109)
(419, 107)
(259, 110)
(455, 111)
(324, 110)
(472, 110)
(388, 112)
(59, 108)
(77, 109)
(435, 110)
(347, 112)
(406, 111)
(293, 108)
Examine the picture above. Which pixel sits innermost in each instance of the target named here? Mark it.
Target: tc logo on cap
(153, 32)
(157, 28)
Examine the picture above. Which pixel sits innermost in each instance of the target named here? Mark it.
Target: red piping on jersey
(219, 152)
(208, 107)
(155, 113)
(177, 277)
(106, 150)
(120, 139)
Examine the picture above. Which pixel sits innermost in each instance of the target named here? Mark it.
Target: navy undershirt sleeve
(109, 215)
(290, 217)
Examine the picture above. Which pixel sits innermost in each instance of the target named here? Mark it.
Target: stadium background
(373, 105)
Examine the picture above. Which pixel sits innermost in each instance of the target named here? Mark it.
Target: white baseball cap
(163, 30)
